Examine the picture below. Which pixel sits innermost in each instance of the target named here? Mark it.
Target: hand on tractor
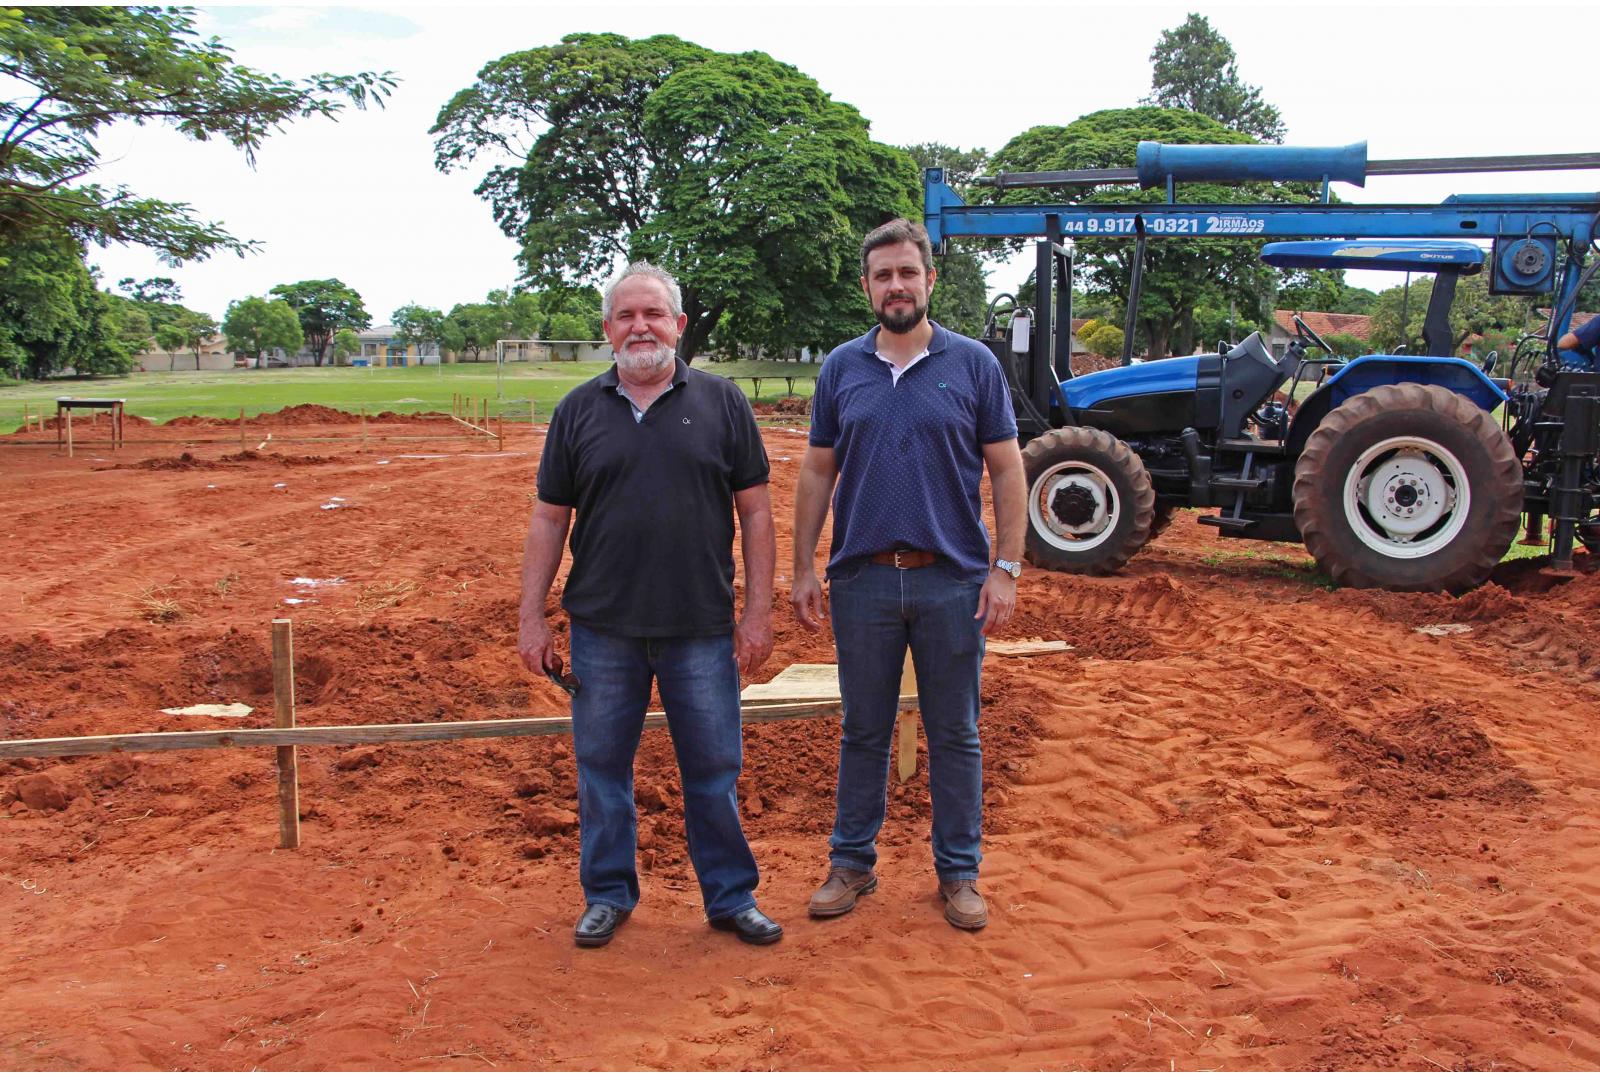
(806, 599)
(997, 601)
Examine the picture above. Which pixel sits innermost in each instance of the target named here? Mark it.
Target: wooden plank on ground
(369, 734)
(1031, 647)
(797, 682)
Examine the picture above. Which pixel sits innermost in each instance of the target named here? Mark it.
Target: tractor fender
(1369, 372)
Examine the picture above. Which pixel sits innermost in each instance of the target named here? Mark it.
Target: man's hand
(997, 601)
(535, 645)
(752, 641)
(806, 599)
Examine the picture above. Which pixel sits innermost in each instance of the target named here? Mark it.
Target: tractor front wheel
(1090, 501)
(1408, 487)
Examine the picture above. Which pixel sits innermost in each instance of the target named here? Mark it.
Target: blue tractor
(1407, 472)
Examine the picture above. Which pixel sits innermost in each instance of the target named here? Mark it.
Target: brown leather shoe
(838, 894)
(963, 907)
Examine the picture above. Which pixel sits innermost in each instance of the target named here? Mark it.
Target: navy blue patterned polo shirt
(910, 454)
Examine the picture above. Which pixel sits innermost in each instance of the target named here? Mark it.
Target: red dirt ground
(1247, 824)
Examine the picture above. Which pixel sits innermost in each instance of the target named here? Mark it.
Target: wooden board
(797, 682)
(1032, 647)
(366, 734)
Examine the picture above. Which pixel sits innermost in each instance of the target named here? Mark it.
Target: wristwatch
(1012, 568)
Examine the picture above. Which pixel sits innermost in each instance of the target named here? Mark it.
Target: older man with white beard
(655, 458)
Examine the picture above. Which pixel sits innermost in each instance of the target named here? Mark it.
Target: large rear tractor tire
(1090, 501)
(1408, 487)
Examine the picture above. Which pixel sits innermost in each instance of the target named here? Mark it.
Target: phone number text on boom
(1165, 226)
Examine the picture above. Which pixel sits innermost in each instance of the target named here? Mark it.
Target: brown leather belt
(905, 559)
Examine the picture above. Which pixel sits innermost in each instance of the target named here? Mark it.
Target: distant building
(1323, 323)
(214, 356)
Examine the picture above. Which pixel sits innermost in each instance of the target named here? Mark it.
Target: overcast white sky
(360, 200)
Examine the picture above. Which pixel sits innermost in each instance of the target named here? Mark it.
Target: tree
(345, 345)
(961, 295)
(196, 327)
(1194, 68)
(73, 71)
(1179, 275)
(48, 305)
(478, 326)
(1322, 290)
(1473, 311)
(127, 332)
(171, 339)
(1102, 339)
(156, 290)
(417, 325)
(256, 325)
(324, 308)
(736, 172)
(1346, 346)
(568, 327)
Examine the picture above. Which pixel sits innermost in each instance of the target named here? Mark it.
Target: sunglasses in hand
(568, 681)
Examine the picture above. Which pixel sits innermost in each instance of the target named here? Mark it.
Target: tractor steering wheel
(1300, 324)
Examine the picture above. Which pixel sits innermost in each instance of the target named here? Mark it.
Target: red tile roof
(1326, 322)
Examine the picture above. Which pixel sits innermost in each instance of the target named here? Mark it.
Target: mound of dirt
(307, 416)
(795, 407)
(182, 463)
(199, 422)
(1435, 751)
(247, 456)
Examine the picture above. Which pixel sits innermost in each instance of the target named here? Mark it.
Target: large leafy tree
(1193, 67)
(1179, 275)
(256, 325)
(46, 305)
(1323, 290)
(418, 325)
(72, 71)
(171, 340)
(1399, 312)
(324, 307)
(736, 172)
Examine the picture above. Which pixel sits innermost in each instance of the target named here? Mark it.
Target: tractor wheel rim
(1073, 476)
(1407, 497)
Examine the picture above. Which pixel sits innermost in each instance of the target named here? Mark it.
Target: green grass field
(161, 395)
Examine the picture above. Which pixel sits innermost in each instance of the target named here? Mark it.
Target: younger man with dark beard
(656, 458)
(905, 418)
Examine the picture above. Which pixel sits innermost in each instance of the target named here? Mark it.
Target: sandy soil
(1247, 824)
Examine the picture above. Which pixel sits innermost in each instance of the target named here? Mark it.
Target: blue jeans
(699, 681)
(877, 611)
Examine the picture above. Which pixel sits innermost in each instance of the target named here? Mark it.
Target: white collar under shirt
(896, 372)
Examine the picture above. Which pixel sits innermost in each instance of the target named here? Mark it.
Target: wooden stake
(283, 699)
(908, 722)
(363, 429)
(69, 432)
(500, 431)
(241, 428)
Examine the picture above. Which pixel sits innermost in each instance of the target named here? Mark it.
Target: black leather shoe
(752, 927)
(597, 924)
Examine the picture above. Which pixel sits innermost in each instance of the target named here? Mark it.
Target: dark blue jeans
(699, 682)
(878, 610)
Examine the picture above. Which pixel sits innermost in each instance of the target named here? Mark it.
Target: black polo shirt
(652, 546)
